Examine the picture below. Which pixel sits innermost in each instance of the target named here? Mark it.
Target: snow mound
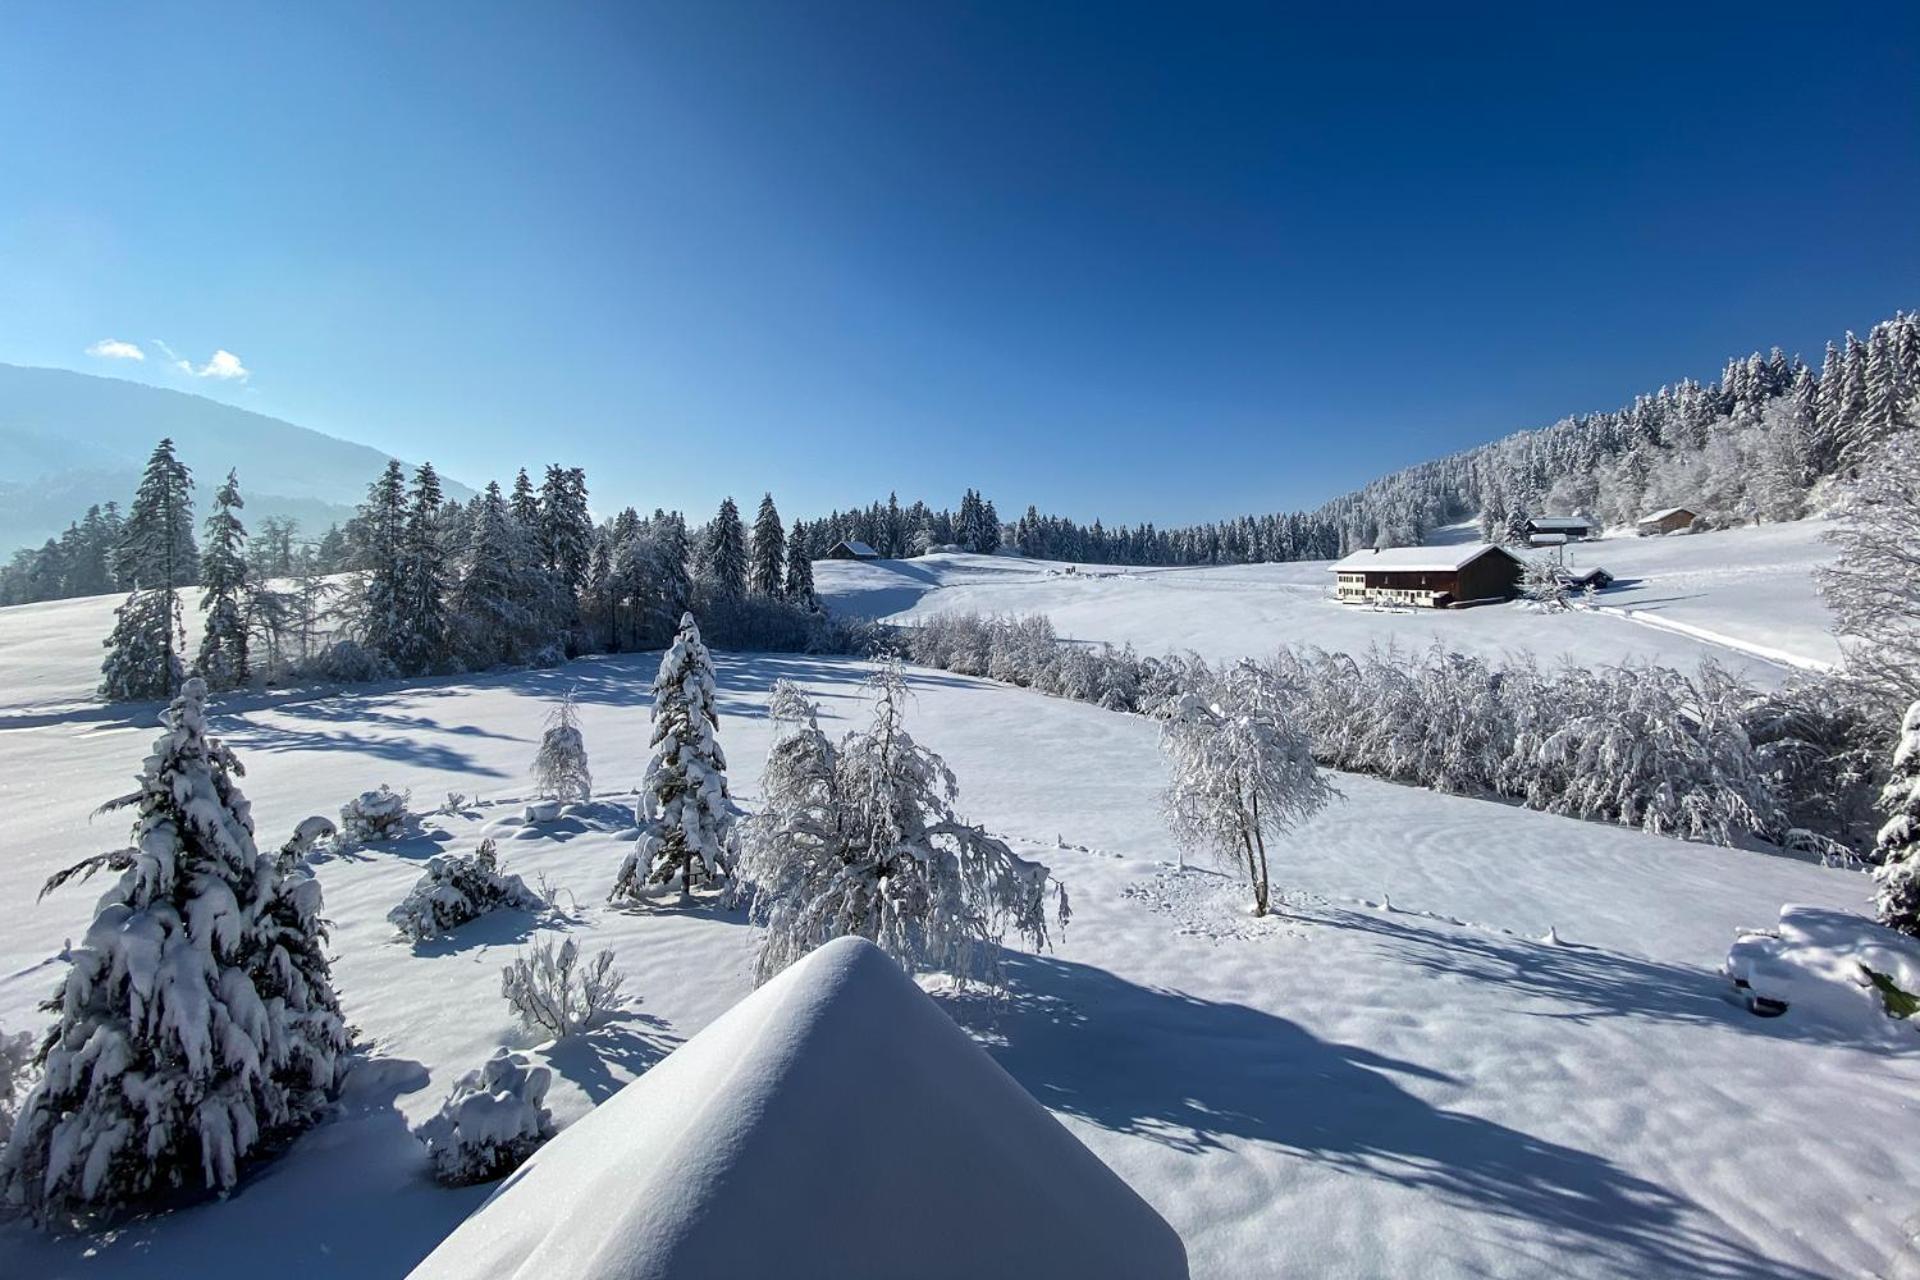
(834, 1123)
(1821, 965)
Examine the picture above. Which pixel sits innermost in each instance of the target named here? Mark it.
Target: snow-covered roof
(1662, 514)
(859, 548)
(835, 1122)
(1419, 559)
(1560, 522)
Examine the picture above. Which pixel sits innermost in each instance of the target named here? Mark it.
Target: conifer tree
(1898, 845)
(197, 1019)
(424, 641)
(799, 583)
(687, 817)
(769, 550)
(726, 558)
(382, 557)
(155, 557)
(224, 598)
(486, 611)
(565, 529)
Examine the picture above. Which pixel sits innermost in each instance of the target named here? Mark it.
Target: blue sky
(1162, 263)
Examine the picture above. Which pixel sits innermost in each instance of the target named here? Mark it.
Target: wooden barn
(1429, 577)
(851, 549)
(1542, 530)
(1672, 520)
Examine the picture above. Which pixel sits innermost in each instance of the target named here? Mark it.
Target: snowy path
(1343, 1091)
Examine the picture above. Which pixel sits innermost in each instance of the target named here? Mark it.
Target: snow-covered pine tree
(769, 550)
(424, 641)
(381, 555)
(1544, 584)
(487, 613)
(726, 553)
(224, 595)
(1897, 848)
(560, 768)
(862, 840)
(1243, 771)
(799, 582)
(197, 1018)
(155, 558)
(686, 815)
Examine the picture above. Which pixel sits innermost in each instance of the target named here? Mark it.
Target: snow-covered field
(1350, 1088)
(1677, 601)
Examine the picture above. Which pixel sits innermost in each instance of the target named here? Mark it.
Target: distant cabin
(851, 549)
(1429, 577)
(1552, 530)
(1672, 520)
(1581, 579)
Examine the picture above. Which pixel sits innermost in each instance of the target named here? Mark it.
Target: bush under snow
(552, 991)
(492, 1121)
(457, 888)
(16, 1059)
(560, 769)
(380, 814)
(1842, 970)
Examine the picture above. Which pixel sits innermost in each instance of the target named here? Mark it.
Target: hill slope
(72, 439)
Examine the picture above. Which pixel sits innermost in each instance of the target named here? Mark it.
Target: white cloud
(114, 349)
(225, 365)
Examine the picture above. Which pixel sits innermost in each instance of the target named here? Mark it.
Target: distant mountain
(68, 440)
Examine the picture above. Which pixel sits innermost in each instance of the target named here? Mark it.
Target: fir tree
(726, 558)
(769, 550)
(225, 598)
(485, 605)
(424, 641)
(799, 583)
(143, 650)
(687, 817)
(560, 769)
(198, 1018)
(155, 557)
(1897, 848)
(382, 558)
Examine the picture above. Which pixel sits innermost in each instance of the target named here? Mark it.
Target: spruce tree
(424, 640)
(726, 558)
(488, 616)
(1898, 847)
(769, 550)
(799, 584)
(197, 1019)
(382, 558)
(686, 815)
(156, 558)
(224, 598)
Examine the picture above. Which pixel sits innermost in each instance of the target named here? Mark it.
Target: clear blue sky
(1157, 263)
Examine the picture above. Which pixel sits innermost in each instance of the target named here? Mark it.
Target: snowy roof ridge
(840, 1084)
(1561, 522)
(858, 547)
(1444, 559)
(1663, 513)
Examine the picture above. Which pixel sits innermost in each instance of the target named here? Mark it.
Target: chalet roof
(1655, 516)
(1420, 559)
(859, 548)
(1556, 523)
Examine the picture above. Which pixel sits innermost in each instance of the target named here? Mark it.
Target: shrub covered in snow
(198, 1015)
(346, 662)
(380, 814)
(861, 840)
(1898, 846)
(457, 888)
(560, 769)
(16, 1067)
(686, 815)
(1839, 969)
(492, 1121)
(552, 991)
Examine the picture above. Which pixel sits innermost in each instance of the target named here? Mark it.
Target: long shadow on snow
(626, 1039)
(1196, 1074)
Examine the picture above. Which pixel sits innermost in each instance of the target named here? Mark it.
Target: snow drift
(834, 1123)
(1831, 967)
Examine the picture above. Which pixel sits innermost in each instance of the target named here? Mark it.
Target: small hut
(1672, 520)
(851, 549)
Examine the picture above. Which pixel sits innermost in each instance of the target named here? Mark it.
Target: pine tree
(225, 597)
(726, 558)
(487, 613)
(769, 550)
(155, 557)
(687, 817)
(565, 528)
(424, 641)
(799, 583)
(560, 769)
(1897, 848)
(382, 557)
(197, 1019)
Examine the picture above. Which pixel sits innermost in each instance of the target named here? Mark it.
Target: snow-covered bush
(346, 662)
(1832, 967)
(861, 840)
(560, 768)
(1872, 586)
(198, 1017)
(380, 814)
(550, 990)
(686, 816)
(16, 1067)
(1898, 847)
(457, 888)
(491, 1122)
(1243, 772)
(1544, 585)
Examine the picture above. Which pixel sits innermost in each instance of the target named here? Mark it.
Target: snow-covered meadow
(1492, 1040)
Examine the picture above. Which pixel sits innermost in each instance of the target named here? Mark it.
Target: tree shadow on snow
(1195, 1074)
(608, 1056)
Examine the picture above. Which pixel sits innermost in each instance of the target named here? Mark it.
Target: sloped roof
(1651, 517)
(1560, 522)
(1420, 559)
(833, 1123)
(858, 548)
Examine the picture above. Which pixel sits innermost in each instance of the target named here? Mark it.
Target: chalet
(1428, 577)
(1596, 578)
(1672, 520)
(851, 549)
(1545, 530)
